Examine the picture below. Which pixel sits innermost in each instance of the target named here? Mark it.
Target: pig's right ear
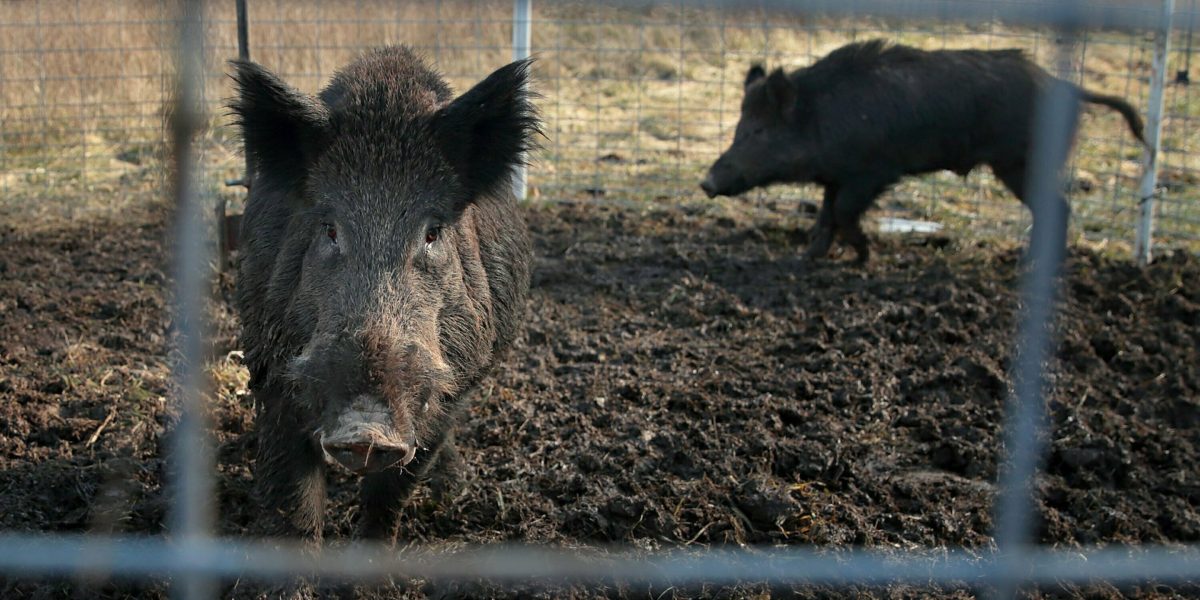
(756, 72)
(283, 128)
(781, 93)
(489, 130)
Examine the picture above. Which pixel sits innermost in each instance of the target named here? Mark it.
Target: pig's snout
(364, 439)
(368, 457)
(723, 179)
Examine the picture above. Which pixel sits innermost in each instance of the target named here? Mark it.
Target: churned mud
(685, 381)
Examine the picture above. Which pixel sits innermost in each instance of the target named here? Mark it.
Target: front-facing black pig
(384, 269)
(870, 113)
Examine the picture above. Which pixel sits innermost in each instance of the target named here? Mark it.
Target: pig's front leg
(382, 495)
(289, 479)
(853, 199)
(820, 238)
(289, 471)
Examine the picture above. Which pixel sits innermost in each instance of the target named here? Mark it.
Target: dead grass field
(637, 101)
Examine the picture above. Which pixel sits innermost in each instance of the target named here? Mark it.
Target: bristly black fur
(489, 130)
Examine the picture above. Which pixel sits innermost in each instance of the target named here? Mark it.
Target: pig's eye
(758, 131)
(432, 234)
(330, 231)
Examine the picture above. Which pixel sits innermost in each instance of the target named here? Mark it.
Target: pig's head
(766, 141)
(382, 173)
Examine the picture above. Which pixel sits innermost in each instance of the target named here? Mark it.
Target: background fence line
(1062, 14)
(633, 115)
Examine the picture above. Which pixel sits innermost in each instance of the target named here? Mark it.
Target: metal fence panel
(583, 142)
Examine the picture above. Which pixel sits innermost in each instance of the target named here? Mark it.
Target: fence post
(243, 33)
(228, 225)
(522, 32)
(1154, 118)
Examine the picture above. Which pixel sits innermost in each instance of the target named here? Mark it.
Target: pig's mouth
(365, 441)
(365, 457)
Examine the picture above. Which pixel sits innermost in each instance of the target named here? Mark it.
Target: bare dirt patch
(684, 381)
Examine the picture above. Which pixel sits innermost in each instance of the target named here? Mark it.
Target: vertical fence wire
(191, 514)
(1177, 210)
(639, 88)
(82, 99)
(1116, 198)
(4, 139)
(1053, 126)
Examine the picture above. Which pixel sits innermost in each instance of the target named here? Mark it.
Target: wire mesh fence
(638, 101)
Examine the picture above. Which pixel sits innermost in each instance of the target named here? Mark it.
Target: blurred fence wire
(637, 96)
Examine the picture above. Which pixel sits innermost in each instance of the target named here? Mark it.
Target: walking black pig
(384, 269)
(870, 113)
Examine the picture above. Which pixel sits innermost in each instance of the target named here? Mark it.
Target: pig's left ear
(755, 73)
(486, 132)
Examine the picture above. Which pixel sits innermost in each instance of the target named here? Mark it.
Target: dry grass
(637, 101)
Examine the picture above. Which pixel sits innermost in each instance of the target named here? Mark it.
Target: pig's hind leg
(1013, 177)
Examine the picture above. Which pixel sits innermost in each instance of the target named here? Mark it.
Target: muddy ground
(684, 381)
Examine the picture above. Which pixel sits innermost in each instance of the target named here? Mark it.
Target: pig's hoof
(814, 254)
(820, 245)
(444, 486)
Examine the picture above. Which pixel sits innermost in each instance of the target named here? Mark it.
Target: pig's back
(918, 111)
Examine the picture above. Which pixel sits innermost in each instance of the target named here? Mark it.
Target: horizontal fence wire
(100, 556)
(579, 132)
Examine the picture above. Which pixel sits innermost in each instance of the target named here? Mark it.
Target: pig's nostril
(358, 449)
